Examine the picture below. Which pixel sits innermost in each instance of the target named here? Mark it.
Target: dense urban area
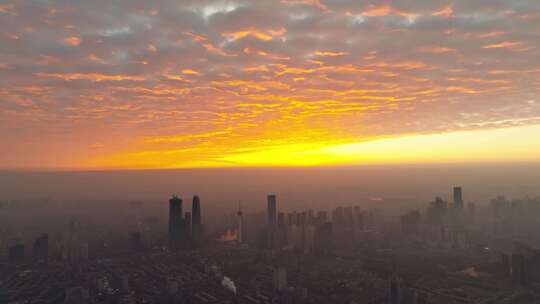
(444, 252)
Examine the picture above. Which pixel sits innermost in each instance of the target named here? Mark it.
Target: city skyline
(189, 84)
(270, 151)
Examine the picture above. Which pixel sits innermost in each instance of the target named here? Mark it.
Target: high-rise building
(16, 253)
(291, 218)
(519, 275)
(196, 219)
(458, 197)
(394, 290)
(506, 268)
(321, 217)
(188, 224)
(176, 220)
(337, 216)
(409, 296)
(324, 237)
(280, 278)
(240, 227)
(41, 249)
(410, 223)
(348, 215)
(436, 213)
(281, 220)
(272, 211)
(136, 240)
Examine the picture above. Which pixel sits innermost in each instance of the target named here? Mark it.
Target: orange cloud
(491, 34)
(437, 50)
(95, 77)
(212, 49)
(316, 3)
(385, 10)
(151, 48)
(512, 45)
(329, 54)
(72, 41)
(273, 56)
(7, 9)
(195, 37)
(253, 32)
(447, 11)
(190, 72)
(94, 58)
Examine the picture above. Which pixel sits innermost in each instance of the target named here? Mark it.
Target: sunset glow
(184, 84)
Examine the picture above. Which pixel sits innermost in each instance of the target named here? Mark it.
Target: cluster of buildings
(313, 232)
(185, 229)
(69, 247)
(443, 224)
(341, 256)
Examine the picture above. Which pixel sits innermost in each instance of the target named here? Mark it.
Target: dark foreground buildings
(185, 229)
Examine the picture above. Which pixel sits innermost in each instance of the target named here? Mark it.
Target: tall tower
(279, 278)
(394, 290)
(41, 248)
(272, 211)
(196, 221)
(240, 216)
(175, 218)
(187, 221)
(458, 197)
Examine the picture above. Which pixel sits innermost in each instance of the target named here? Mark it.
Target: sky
(196, 83)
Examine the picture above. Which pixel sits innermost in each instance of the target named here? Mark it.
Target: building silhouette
(280, 278)
(176, 220)
(272, 211)
(458, 197)
(41, 249)
(410, 222)
(196, 219)
(188, 224)
(519, 275)
(394, 290)
(271, 231)
(16, 253)
(240, 228)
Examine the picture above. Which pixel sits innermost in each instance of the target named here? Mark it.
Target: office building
(176, 220)
(410, 223)
(272, 211)
(196, 217)
(240, 228)
(519, 275)
(506, 268)
(41, 249)
(280, 278)
(188, 223)
(458, 197)
(16, 253)
(394, 290)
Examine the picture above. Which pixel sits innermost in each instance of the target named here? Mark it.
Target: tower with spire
(240, 227)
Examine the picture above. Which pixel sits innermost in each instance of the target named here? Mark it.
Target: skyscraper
(196, 221)
(240, 224)
(280, 278)
(16, 253)
(519, 276)
(41, 248)
(272, 211)
(188, 223)
(458, 198)
(394, 290)
(175, 218)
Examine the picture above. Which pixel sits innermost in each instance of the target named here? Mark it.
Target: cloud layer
(190, 83)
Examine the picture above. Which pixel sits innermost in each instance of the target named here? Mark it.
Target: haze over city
(270, 152)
